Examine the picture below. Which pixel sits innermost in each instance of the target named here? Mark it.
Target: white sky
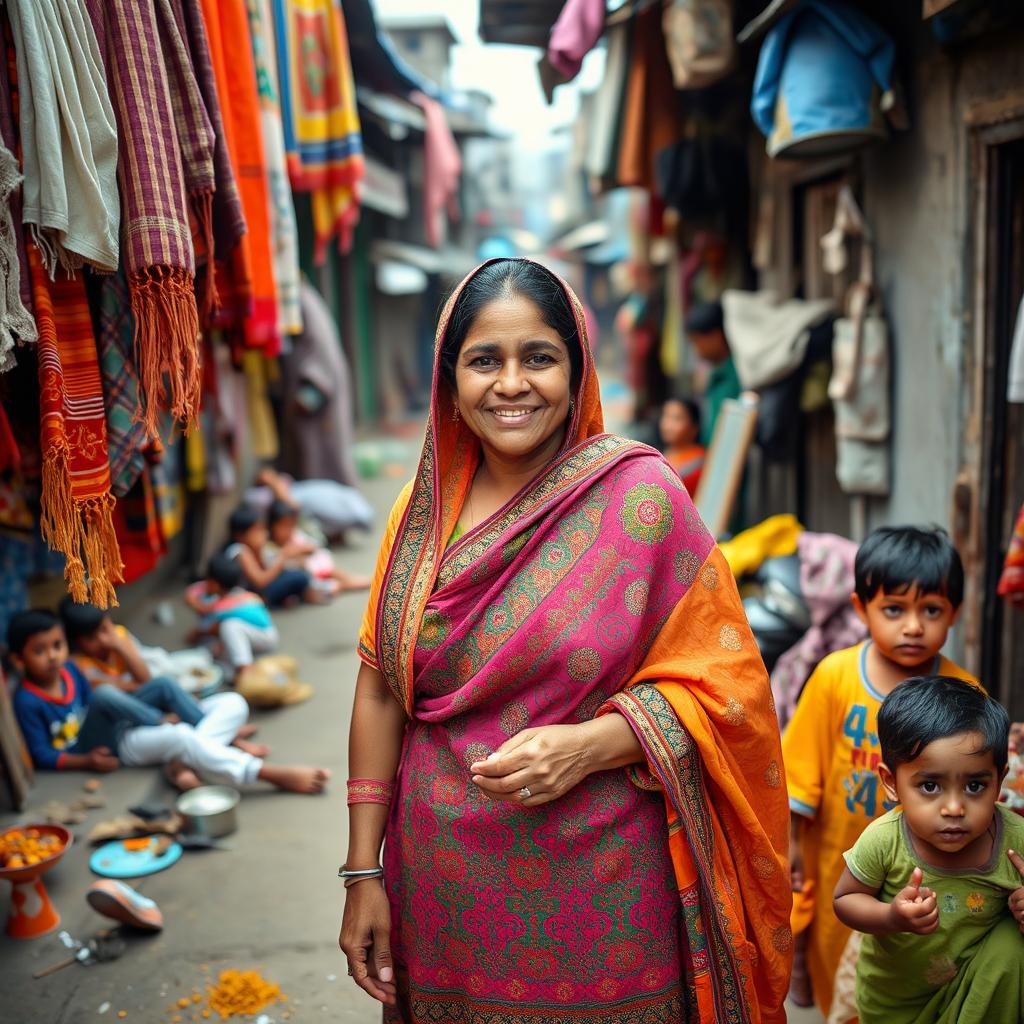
(508, 73)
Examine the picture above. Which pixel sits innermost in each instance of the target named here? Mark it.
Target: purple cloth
(826, 580)
(575, 34)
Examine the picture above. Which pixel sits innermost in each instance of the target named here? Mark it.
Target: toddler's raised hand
(915, 908)
(1016, 900)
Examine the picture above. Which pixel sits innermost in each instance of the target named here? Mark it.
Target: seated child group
(907, 872)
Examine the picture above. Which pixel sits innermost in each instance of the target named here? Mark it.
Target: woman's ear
(888, 778)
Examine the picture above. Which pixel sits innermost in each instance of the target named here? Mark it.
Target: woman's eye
(539, 360)
(483, 361)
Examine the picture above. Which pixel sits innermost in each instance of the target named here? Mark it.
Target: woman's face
(512, 380)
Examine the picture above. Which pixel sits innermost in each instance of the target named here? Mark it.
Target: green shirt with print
(971, 968)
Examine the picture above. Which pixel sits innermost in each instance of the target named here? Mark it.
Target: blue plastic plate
(112, 860)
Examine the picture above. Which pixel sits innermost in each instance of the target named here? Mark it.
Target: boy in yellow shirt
(909, 587)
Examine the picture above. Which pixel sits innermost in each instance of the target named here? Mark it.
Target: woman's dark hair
(691, 407)
(25, 625)
(243, 519)
(895, 559)
(502, 279)
(79, 620)
(929, 708)
(279, 510)
(224, 571)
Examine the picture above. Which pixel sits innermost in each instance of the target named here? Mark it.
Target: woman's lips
(513, 417)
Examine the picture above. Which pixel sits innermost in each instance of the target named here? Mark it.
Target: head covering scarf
(601, 569)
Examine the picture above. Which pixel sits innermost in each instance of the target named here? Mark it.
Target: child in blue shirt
(67, 725)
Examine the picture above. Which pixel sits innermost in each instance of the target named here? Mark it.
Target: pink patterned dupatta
(596, 589)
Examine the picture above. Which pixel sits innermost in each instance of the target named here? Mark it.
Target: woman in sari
(562, 725)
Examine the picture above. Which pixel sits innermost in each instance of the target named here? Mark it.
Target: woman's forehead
(510, 319)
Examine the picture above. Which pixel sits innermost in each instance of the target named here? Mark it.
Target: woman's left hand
(548, 761)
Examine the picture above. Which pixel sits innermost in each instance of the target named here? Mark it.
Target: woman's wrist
(609, 742)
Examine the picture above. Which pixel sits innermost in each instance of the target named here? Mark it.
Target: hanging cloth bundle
(75, 503)
(156, 235)
(68, 135)
(859, 387)
(15, 319)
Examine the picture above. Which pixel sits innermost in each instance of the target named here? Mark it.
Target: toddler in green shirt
(937, 885)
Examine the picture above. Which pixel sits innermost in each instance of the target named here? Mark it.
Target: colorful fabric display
(320, 119)
(283, 231)
(158, 253)
(68, 135)
(1011, 582)
(76, 503)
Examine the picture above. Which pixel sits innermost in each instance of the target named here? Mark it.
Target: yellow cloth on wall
(774, 538)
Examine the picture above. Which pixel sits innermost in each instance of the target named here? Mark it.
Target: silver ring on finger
(524, 793)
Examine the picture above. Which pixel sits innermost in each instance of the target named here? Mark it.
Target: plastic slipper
(122, 903)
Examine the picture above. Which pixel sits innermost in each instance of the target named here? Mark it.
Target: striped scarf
(156, 235)
(76, 503)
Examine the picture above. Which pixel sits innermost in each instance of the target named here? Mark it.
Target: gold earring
(572, 407)
(455, 414)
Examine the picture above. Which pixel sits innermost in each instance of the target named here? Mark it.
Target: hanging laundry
(227, 288)
(319, 114)
(15, 320)
(283, 231)
(9, 137)
(601, 154)
(1011, 582)
(158, 257)
(76, 503)
(137, 524)
(574, 35)
(1015, 376)
(227, 28)
(127, 436)
(68, 135)
(442, 167)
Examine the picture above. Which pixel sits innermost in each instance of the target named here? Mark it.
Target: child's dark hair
(281, 510)
(225, 572)
(79, 620)
(25, 625)
(243, 519)
(929, 708)
(895, 559)
(690, 405)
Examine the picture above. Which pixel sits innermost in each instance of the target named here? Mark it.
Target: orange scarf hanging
(76, 503)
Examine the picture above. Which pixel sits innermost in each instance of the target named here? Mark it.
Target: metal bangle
(349, 882)
(344, 872)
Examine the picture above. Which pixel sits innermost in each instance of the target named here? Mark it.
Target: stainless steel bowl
(209, 811)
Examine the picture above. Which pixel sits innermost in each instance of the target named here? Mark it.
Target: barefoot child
(909, 586)
(285, 535)
(272, 579)
(937, 885)
(68, 726)
(238, 617)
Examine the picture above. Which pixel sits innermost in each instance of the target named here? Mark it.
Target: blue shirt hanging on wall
(821, 77)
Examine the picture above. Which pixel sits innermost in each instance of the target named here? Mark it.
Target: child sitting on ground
(285, 535)
(680, 432)
(909, 586)
(272, 579)
(68, 726)
(108, 655)
(236, 616)
(937, 885)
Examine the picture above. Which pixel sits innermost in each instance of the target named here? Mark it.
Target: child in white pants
(205, 748)
(238, 617)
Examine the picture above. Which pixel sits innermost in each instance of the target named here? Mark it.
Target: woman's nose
(512, 380)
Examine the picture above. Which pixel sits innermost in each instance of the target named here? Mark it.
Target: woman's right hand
(366, 939)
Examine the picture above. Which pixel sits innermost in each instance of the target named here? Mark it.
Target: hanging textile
(10, 456)
(9, 136)
(158, 256)
(137, 524)
(283, 231)
(68, 135)
(1011, 582)
(127, 436)
(574, 35)
(227, 29)
(76, 503)
(227, 287)
(15, 320)
(320, 118)
(442, 166)
(1015, 376)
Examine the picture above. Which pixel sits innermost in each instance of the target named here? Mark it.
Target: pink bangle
(370, 791)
